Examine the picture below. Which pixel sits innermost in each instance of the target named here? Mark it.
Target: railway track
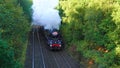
(39, 56)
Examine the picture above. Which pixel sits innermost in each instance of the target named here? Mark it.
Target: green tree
(7, 56)
(93, 27)
(26, 5)
(15, 26)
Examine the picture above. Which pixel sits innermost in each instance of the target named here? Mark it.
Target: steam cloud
(45, 14)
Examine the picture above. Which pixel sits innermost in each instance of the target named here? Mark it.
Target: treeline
(14, 28)
(92, 27)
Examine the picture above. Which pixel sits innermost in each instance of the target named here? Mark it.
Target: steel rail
(58, 66)
(68, 64)
(33, 50)
(43, 61)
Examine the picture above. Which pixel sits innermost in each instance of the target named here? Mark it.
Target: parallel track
(39, 56)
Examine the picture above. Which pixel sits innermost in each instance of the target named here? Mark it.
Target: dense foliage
(7, 56)
(93, 26)
(14, 27)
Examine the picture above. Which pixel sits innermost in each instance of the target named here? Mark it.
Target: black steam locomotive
(54, 39)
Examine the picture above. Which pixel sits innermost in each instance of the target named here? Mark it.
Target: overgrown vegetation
(14, 28)
(93, 27)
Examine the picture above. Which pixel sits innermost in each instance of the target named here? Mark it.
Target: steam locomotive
(54, 39)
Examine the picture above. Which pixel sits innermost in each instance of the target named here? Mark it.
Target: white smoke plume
(45, 14)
